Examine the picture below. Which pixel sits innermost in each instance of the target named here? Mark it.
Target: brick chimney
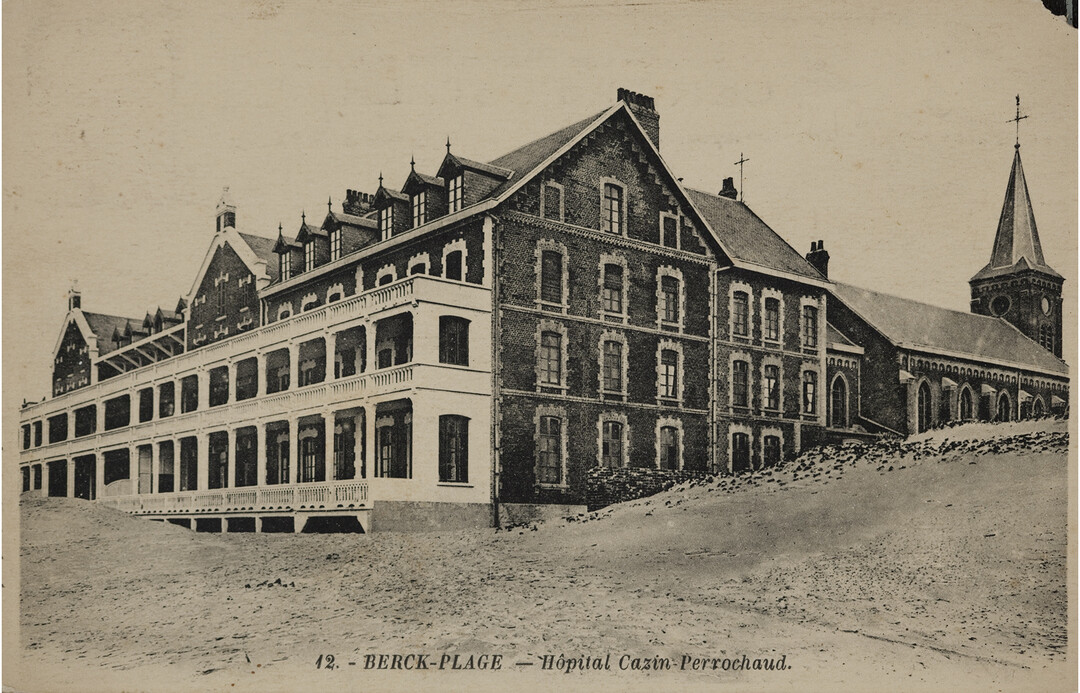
(357, 203)
(819, 257)
(644, 109)
(729, 190)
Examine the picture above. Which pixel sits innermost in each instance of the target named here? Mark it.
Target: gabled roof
(453, 162)
(1016, 243)
(264, 248)
(106, 327)
(306, 231)
(747, 238)
(341, 218)
(914, 325)
(835, 336)
(384, 192)
(284, 243)
(417, 178)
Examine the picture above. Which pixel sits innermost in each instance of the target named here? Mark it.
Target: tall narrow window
(419, 208)
(344, 449)
(335, 245)
(740, 314)
(613, 366)
(386, 221)
(809, 392)
(550, 465)
(772, 387)
(772, 320)
(669, 374)
(550, 358)
(312, 466)
(740, 452)
(457, 192)
(810, 327)
(285, 265)
(612, 209)
(740, 385)
(453, 448)
(613, 289)
(553, 202)
(551, 273)
(221, 296)
(452, 270)
(669, 300)
(771, 450)
(669, 447)
(309, 256)
(453, 340)
(611, 453)
(669, 231)
(839, 403)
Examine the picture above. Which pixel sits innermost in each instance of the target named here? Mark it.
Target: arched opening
(967, 405)
(1004, 407)
(1037, 408)
(838, 416)
(925, 414)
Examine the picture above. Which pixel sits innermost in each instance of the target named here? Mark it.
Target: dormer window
(386, 221)
(309, 256)
(284, 265)
(419, 208)
(457, 192)
(335, 245)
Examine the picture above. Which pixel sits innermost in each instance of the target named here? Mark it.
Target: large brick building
(473, 345)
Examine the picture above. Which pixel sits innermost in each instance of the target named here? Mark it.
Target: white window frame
(675, 273)
(762, 434)
(541, 328)
(621, 419)
(386, 270)
(770, 360)
(562, 200)
(454, 245)
(766, 294)
(419, 259)
(335, 289)
(386, 221)
(735, 287)
(309, 255)
(664, 422)
(456, 184)
(815, 303)
(678, 230)
(614, 259)
(612, 336)
(680, 369)
(335, 244)
(418, 204)
(817, 391)
(556, 411)
(548, 244)
(732, 358)
(308, 302)
(622, 212)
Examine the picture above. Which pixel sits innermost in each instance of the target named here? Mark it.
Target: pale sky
(877, 127)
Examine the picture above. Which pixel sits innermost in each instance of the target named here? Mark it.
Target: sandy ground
(937, 564)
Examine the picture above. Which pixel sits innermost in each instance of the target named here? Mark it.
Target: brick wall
(612, 485)
(210, 321)
(71, 369)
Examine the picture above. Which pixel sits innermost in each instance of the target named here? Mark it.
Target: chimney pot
(729, 190)
(819, 257)
(644, 109)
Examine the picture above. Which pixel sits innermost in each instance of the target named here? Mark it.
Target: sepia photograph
(547, 345)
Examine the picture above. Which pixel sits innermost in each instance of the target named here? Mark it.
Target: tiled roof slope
(834, 336)
(264, 248)
(104, 326)
(746, 237)
(920, 325)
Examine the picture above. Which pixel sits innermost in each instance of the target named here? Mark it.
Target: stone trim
(544, 245)
(678, 229)
(560, 412)
(767, 293)
(615, 258)
(420, 258)
(663, 422)
(622, 419)
(675, 273)
(562, 199)
(454, 245)
(737, 286)
(613, 336)
(552, 326)
(338, 288)
(772, 360)
(680, 381)
(386, 270)
(606, 180)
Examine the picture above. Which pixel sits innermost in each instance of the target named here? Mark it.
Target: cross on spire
(742, 160)
(1017, 120)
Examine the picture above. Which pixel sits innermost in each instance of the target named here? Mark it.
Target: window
(771, 450)
(189, 394)
(312, 464)
(285, 265)
(166, 399)
(809, 392)
(453, 340)
(669, 447)
(669, 299)
(247, 379)
(385, 279)
(1046, 336)
(453, 448)
(740, 314)
(613, 366)
(146, 404)
(549, 463)
(386, 221)
(419, 208)
(550, 358)
(772, 387)
(669, 231)
(452, 266)
(335, 244)
(385, 358)
(966, 406)
(839, 403)
(117, 413)
(26, 432)
(37, 434)
(612, 293)
(810, 327)
(772, 320)
(219, 386)
(552, 202)
(611, 219)
(611, 444)
(344, 449)
(309, 256)
(551, 275)
(58, 428)
(457, 192)
(740, 452)
(669, 374)
(740, 384)
(418, 268)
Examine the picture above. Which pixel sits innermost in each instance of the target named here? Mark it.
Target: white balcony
(329, 495)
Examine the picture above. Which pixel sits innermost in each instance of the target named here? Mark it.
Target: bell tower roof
(1016, 244)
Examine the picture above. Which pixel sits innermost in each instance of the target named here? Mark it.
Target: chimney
(357, 203)
(819, 257)
(729, 190)
(74, 297)
(644, 109)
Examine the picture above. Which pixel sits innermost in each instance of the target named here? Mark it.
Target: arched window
(925, 413)
(771, 450)
(838, 403)
(967, 406)
(1037, 408)
(740, 452)
(1004, 407)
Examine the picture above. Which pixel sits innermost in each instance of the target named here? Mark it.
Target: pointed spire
(448, 144)
(280, 230)
(303, 218)
(412, 163)
(380, 179)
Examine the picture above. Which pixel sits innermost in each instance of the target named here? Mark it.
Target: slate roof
(834, 336)
(105, 326)
(912, 324)
(264, 249)
(353, 220)
(747, 238)
(1016, 243)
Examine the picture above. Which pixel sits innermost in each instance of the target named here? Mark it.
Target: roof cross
(1017, 120)
(742, 160)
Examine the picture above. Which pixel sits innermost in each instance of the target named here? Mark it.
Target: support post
(70, 467)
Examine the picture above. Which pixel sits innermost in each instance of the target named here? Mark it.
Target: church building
(470, 348)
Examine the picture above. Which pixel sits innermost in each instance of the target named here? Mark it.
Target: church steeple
(1017, 284)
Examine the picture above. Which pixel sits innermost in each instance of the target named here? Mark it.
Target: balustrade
(330, 495)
